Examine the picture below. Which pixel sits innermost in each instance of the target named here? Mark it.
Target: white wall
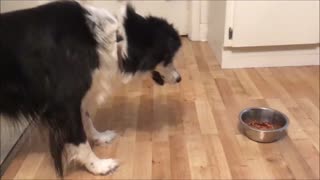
(198, 20)
(175, 12)
(216, 26)
(204, 7)
(11, 5)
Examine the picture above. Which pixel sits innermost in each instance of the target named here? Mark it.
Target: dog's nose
(178, 79)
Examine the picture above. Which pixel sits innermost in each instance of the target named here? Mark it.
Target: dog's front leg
(99, 138)
(94, 97)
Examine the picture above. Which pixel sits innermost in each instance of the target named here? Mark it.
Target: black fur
(151, 41)
(48, 54)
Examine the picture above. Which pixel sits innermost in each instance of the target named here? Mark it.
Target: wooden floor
(189, 131)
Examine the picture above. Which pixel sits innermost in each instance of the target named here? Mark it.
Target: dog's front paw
(104, 137)
(103, 166)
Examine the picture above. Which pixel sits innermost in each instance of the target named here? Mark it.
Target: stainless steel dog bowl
(263, 114)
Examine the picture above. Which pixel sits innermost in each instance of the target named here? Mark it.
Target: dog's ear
(171, 44)
(146, 63)
(126, 9)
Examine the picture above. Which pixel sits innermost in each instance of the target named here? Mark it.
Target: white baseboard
(274, 61)
(271, 57)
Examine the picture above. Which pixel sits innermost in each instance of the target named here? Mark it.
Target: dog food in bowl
(263, 125)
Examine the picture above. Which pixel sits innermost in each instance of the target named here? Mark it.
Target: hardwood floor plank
(294, 159)
(179, 158)
(309, 153)
(198, 158)
(126, 158)
(46, 170)
(251, 154)
(142, 160)
(247, 84)
(205, 117)
(161, 163)
(31, 164)
(275, 162)
(217, 157)
(311, 110)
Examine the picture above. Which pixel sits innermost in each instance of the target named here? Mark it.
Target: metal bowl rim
(260, 130)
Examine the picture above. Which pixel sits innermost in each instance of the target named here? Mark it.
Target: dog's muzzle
(161, 80)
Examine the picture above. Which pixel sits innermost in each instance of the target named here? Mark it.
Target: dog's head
(151, 45)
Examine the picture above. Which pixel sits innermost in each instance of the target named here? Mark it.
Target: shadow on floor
(140, 113)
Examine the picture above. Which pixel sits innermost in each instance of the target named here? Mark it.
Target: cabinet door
(267, 23)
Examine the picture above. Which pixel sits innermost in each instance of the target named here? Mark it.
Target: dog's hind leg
(67, 134)
(83, 153)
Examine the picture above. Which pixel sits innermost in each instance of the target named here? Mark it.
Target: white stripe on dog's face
(169, 73)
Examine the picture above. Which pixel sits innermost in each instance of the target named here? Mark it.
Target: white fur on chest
(104, 27)
(108, 76)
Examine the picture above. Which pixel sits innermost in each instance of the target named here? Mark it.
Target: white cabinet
(267, 23)
(264, 33)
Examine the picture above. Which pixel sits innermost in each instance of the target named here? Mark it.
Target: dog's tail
(56, 142)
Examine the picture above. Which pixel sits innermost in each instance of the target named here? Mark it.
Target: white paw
(102, 166)
(104, 137)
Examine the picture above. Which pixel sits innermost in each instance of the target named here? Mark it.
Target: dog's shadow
(140, 114)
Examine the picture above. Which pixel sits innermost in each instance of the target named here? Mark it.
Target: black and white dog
(57, 57)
